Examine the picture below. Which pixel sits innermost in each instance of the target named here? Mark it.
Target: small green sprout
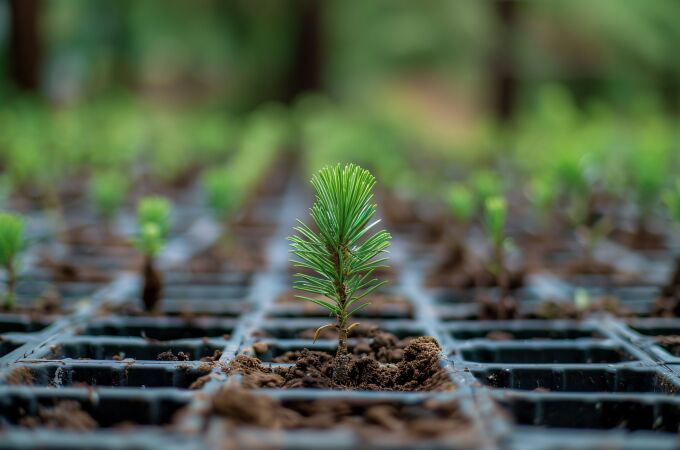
(220, 190)
(153, 221)
(342, 254)
(461, 203)
(542, 194)
(11, 243)
(486, 184)
(108, 191)
(495, 214)
(671, 199)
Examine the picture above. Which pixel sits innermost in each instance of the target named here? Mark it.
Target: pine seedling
(671, 199)
(542, 194)
(11, 243)
(461, 203)
(486, 184)
(220, 191)
(108, 191)
(153, 222)
(342, 255)
(495, 214)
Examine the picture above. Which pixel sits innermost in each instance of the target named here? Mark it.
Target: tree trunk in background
(305, 73)
(503, 71)
(24, 43)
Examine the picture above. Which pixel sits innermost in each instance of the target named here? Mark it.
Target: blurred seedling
(577, 177)
(495, 215)
(343, 255)
(542, 194)
(153, 222)
(11, 243)
(108, 191)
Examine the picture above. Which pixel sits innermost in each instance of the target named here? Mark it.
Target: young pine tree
(495, 213)
(342, 254)
(108, 191)
(11, 243)
(153, 221)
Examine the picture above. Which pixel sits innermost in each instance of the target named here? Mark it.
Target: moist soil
(378, 421)
(18, 376)
(417, 368)
(66, 415)
(670, 343)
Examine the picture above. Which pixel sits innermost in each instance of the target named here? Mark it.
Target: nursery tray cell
(162, 328)
(108, 409)
(114, 374)
(103, 350)
(522, 330)
(14, 323)
(538, 354)
(583, 379)
(630, 412)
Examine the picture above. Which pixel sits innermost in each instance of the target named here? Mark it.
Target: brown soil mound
(431, 419)
(66, 414)
(417, 370)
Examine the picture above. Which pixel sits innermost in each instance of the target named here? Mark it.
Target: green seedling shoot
(153, 221)
(108, 191)
(542, 194)
(461, 203)
(343, 254)
(11, 243)
(220, 191)
(495, 214)
(575, 177)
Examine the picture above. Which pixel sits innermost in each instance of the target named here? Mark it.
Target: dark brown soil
(64, 271)
(218, 258)
(418, 368)
(640, 239)
(21, 375)
(377, 421)
(169, 356)
(67, 415)
(462, 271)
(670, 343)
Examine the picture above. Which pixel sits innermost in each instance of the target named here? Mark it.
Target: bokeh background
(95, 84)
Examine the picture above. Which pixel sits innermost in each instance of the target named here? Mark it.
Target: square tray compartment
(524, 330)
(102, 349)
(620, 412)
(160, 328)
(568, 353)
(113, 374)
(107, 408)
(582, 379)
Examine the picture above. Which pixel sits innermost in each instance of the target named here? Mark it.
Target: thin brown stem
(153, 285)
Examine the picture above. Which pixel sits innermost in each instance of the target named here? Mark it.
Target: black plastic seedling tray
(597, 383)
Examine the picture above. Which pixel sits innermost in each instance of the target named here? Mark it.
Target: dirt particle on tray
(417, 369)
(169, 356)
(67, 414)
(21, 375)
(199, 382)
(212, 358)
(260, 347)
(500, 336)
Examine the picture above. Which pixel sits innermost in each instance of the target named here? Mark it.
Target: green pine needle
(343, 254)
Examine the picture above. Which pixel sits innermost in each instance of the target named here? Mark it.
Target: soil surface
(417, 368)
(21, 375)
(67, 415)
(381, 421)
